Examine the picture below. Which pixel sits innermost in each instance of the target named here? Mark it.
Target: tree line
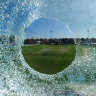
(62, 41)
(54, 41)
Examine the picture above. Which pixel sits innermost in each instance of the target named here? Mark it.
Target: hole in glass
(49, 46)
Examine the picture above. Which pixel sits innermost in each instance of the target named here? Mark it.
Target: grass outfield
(49, 59)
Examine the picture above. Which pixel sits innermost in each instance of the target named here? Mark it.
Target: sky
(51, 28)
(79, 19)
(48, 28)
(17, 15)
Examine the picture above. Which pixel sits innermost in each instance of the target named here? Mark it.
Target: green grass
(49, 59)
